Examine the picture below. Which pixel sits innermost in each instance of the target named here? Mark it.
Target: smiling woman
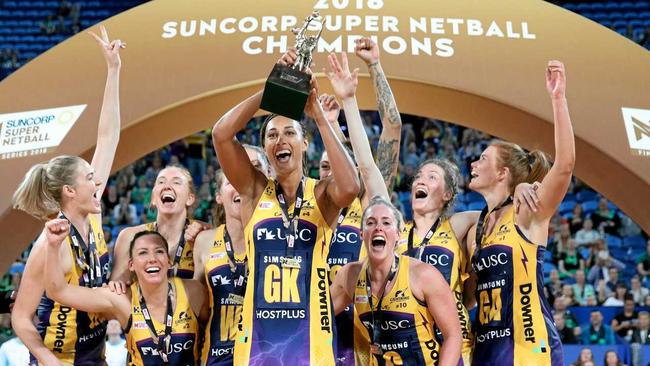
(69, 187)
(159, 316)
(287, 220)
(172, 195)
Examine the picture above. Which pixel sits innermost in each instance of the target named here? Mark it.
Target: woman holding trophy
(287, 222)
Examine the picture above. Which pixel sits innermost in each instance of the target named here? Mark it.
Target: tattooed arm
(388, 148)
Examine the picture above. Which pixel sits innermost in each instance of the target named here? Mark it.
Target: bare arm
(345, 85)
(201, 249)
(121, 255)
(556, 182)
(342, 187)
(391, 121)
(197, 293)
(108, 131)
(339, 292)
(442, 307)
(232, 155)
(29, 295)
(95, 300)
(469, 286)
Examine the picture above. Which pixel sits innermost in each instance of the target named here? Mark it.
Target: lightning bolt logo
(524, 259)
(426, 323)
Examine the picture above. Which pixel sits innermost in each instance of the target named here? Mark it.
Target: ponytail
(39, 194)
(539, 165)
(524, 167)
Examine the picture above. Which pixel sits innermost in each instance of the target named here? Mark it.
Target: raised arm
(95, 300)
(389, 140)
(29, 295)
(342, 186)
(345, 84)
(555, 184)
(108, 130)
(442, 307)
(232, 155)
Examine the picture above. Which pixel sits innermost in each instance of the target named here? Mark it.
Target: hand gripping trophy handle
(287, 87)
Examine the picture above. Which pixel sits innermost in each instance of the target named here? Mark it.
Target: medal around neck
(287, 87)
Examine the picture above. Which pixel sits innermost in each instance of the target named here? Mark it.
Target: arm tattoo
(387, 152)
(385, 100)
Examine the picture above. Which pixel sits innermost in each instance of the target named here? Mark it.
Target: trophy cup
(287, 87)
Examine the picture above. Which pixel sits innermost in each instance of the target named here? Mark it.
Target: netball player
(220, 257)
(400, 301)
(515, 325)
(287, 221)
(172, 196)
(71, 188)
(159, 314)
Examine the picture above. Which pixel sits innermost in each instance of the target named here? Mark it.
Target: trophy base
(286, 92)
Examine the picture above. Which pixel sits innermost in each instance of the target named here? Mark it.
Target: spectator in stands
(611, 359)
(606, 220)
(567, 335)
(116, 352)
(600, 271)
(64, 9)
(585, 356)
(594, 250)
(406, 178)
(561, 309)
(612, 279)
(9, 59)
(48, 26)
(412, 157)
(638, 291)
(111, 198)
(553, 287)
(125, 213)
(647, 301)
(617, 297)
(568, 295)
(643, 263)
(625, 322)
(577, 221)
(582, 289)
(570, 260)
(429, 152)
(142, 193)
(587, 235)
(560, 241)
(642, 333)
(596, 332)
(13, 353)
(196, 153)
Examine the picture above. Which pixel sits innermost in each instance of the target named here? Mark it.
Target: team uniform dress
(403, 331)
(346, 246)
(183, 264)
(514, 321)
(441, 249)
(76, 337)
(182, 347)
(225, 274)
(287, 308)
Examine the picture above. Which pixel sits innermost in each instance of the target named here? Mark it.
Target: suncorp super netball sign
(34, 132)
(413, 35)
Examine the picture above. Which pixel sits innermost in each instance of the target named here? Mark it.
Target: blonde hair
(39, 194)
(524, 167)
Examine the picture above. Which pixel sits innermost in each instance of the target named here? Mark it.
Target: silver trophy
(287, 87)
(305, 44)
